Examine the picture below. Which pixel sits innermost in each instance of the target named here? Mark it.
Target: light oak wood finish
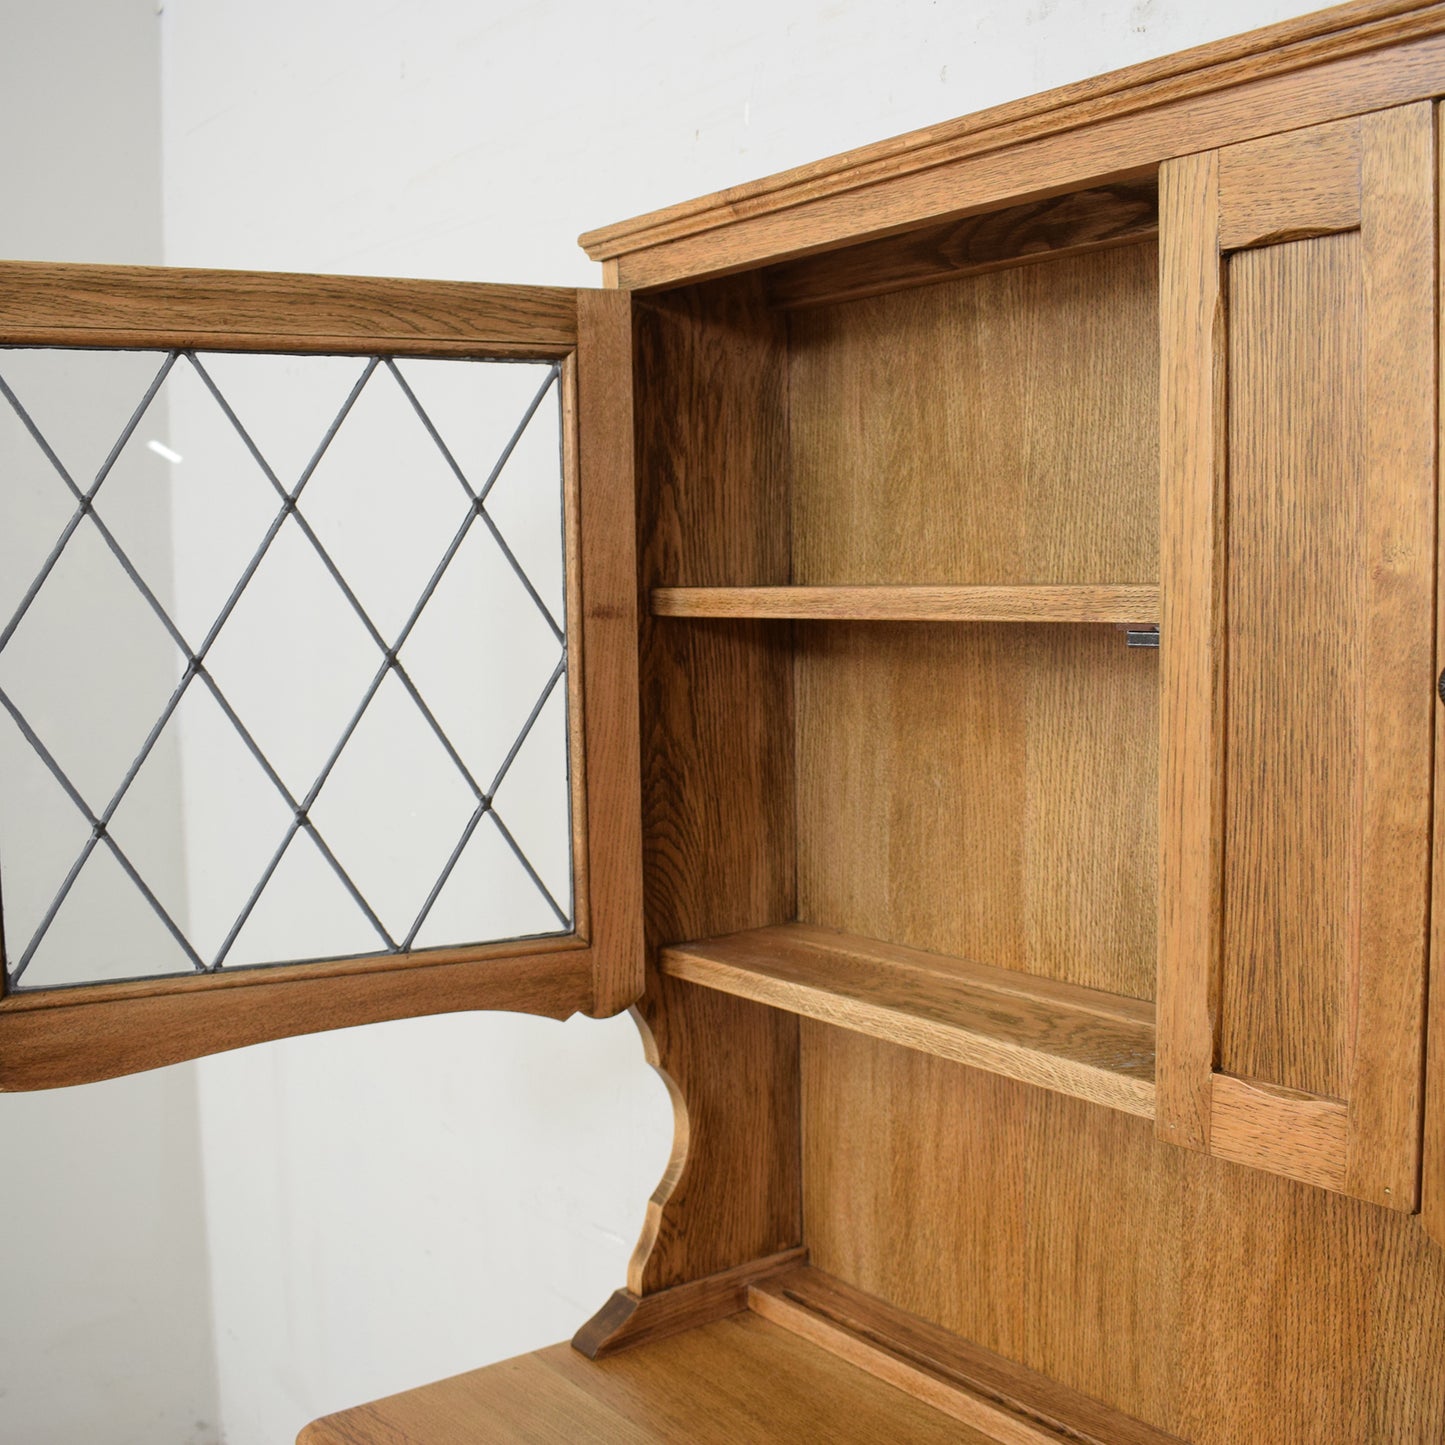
(1313, 69)
(986, 792)
(1302, 183)
(628, 1320)
(58, 1037)
(1217, 1302)
(1191, 577)
(1397, 237)
(718, 823)
(742, 1381)
(1295, 550)
(1021, 1220)
(1119, 605)
(1293, 946)
(76, 1036)
(76, 305)
(1057, 1036)
(1011, 1404)
(1048, 230)
(1432, 1174)
(1016, 446)
(605, 589)
(1286, 1130)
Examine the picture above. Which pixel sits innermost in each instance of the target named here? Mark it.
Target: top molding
(1343, 61)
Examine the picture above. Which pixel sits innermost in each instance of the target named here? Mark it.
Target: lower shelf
(1077, 1041)
(809, 1358)
(740, 1379)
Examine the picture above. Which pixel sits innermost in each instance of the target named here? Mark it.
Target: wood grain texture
(730, 1192)
(1216, 1302)
(76, 305)
(1017, 446)
(985, 792)
(1061, 226)
(1293, 1133)
(741, 1381)
(1397, 234)
(718, 823)
(1330, 548)
(1191, 605)
(76, 1036)
(1011, 1404)
(1346, 61)
(1024, 1221)
(1283, 188)
(1078, 1041)
(1432, 1169)
(1297, 513)
(1119, 604)
(628, 1320)
(608, 597)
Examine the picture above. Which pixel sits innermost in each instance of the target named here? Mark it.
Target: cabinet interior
(968, 806)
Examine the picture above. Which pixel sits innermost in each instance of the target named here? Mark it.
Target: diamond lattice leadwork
(370, 600)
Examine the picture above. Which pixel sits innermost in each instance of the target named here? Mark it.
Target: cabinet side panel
(717, 771)
(1293, 734)
(716, 696)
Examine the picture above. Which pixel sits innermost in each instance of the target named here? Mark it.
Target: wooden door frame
(66, 1036)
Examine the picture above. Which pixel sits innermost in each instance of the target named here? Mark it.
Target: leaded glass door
(317, 659)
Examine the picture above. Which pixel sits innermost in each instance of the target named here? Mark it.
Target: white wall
(104, 1298)
(388, 1205)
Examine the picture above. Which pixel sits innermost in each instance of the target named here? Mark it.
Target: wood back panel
(1220, 1303)
(985, 791)
(1000, 428)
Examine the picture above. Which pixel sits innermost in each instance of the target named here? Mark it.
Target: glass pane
(282, 660)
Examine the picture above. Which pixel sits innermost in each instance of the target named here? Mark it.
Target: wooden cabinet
(1008, 749)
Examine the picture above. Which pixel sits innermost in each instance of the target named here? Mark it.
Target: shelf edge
(916, 1029)
(1117, 603)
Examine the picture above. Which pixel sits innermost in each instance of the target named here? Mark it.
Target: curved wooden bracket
(628, 1319)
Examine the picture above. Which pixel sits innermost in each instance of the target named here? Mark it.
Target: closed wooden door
(1298, 577)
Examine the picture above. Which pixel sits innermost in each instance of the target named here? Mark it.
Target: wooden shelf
(742, 1379)
(1103, 603)
(1077, 1041)
(800, 1356)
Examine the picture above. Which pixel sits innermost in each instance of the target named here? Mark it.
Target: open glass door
(318, 675)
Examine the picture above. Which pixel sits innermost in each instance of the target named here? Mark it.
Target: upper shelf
(1078, 1041)
(1109, 602)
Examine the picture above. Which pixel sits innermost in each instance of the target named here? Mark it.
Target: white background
(225, 1250)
